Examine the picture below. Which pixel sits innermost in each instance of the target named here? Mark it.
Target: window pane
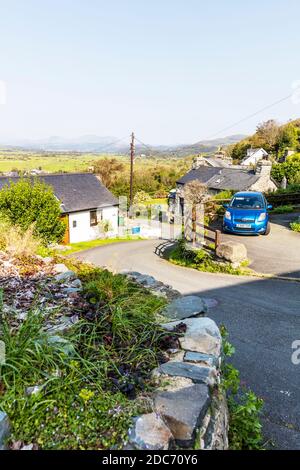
(93, 218)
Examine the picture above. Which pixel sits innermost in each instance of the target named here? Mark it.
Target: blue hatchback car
(247, 213)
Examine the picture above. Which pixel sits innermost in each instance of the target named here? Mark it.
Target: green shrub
(295, 226)
(224, 195)
(202, 260)
(26, 203)
(283, 209)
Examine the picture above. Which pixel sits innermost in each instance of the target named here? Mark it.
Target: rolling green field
(64, 162)
(53, 163)
(154, 175)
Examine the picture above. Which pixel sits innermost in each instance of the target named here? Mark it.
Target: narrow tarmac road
(261, 315)
(277, 253)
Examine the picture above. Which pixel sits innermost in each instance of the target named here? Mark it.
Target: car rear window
(247, 202)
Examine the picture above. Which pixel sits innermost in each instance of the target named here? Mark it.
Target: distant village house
(221, 178)
(254, 156)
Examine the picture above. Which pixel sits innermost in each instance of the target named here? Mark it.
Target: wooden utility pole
(132, 151)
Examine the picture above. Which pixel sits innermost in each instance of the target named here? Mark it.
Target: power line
(114, 143)
(151, 149)
(248, 117)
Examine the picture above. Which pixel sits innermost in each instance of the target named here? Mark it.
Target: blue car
(247, 213)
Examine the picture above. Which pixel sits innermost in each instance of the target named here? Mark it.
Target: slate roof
(202, 174)
(216, 162)
(75, 191)
(221, 178)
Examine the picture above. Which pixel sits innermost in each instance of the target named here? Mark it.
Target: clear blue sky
(172, 70)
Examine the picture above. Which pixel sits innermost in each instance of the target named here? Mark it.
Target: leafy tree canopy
(32, 202)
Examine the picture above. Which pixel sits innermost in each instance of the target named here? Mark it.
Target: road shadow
(262, 317)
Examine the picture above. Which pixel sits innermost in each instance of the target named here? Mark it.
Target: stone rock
(177, 357)
(71, 290)
(65, 276)
(185, 307)
(60, 268)
(34, 390)
(149, 432)
(183, 411)
(76, 284)
(62, 325)
(202, 335)
(196, 357)
(171, 384)
(63, 344)
(200, 375)
(232, 251)
(4, 429)
(28, 447)
(214, 434)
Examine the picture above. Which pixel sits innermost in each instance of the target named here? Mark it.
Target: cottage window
(93, 218)
(74, 223)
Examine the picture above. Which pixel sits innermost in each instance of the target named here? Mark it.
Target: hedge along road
(261, 315)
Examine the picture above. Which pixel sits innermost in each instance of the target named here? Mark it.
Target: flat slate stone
(4, 429)
(185, 307)
(183, 411)
(149, 432)
(202, 335)
(200, 375)
(208, 359)
(65, 276)
(60, 268)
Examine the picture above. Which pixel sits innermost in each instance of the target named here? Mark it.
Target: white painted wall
(83, 230)
(254, 158)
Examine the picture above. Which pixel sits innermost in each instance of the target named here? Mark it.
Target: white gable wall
(84, 232)
(254, 158)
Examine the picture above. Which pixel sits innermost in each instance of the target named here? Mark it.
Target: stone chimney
(198, 162)
(263, 168)
(264, 182)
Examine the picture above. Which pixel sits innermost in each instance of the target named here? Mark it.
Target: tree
(289, 169)
(107, 169)
(267, 134)
(288, 137)
(141, 198)
(195, 193)
(30, 202)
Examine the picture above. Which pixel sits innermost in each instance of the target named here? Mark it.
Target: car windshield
(247, 202)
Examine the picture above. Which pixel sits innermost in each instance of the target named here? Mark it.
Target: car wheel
(268, 229)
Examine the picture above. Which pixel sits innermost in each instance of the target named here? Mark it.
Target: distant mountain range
(113, 145)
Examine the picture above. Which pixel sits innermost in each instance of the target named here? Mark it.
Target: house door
(66, 239)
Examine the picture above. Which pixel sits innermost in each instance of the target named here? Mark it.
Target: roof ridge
(51, 174)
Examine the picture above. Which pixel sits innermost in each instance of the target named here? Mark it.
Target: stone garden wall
(189, 409)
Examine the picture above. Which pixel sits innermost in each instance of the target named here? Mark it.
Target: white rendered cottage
(86, 204)
(254, 156)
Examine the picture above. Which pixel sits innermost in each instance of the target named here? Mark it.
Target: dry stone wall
(189, 407)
